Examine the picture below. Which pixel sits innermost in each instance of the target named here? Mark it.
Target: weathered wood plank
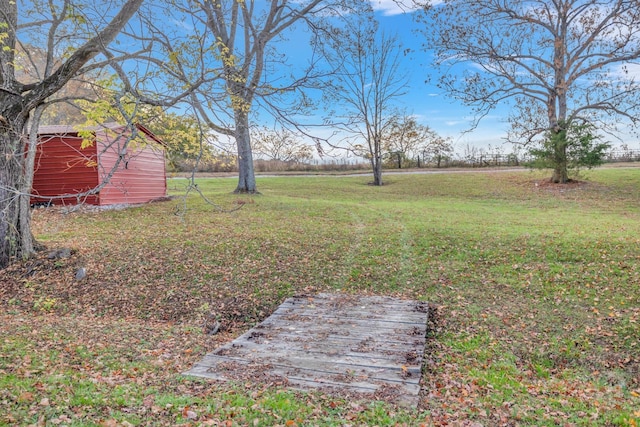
(399, 373)
(370, 346)
(405, 354)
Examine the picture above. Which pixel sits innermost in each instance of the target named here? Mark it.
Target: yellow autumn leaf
(86, 143)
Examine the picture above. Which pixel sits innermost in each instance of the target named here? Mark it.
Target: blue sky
(424, 99)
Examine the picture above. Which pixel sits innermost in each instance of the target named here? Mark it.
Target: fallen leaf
(148, 401)
(25, 396)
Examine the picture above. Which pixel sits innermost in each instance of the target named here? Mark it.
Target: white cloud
(393, 7)
(627, 71)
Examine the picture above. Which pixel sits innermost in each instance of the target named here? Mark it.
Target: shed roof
(56, 130)
(71, 130)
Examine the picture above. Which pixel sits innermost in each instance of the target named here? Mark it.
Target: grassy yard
(535, 292)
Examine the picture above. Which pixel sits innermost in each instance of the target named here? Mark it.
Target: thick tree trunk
(12, 167)
(28, 244)
(560, 174)
(246, 175)
(9, 238)
(560, 161)
(558, 109)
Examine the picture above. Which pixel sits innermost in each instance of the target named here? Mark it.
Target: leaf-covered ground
(534, 289)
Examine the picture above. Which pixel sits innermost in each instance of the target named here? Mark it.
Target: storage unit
(126, 168)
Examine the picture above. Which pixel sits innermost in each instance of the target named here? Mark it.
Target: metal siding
(139, 178)
(62, 167)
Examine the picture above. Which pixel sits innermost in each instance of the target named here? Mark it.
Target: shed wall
(139, 176)
(62, 167)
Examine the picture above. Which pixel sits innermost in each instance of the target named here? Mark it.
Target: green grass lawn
(535, 291)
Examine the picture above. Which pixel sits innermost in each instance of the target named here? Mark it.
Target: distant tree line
(624, 154)
(408, 146)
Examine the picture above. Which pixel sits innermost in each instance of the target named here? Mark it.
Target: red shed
(127, 170)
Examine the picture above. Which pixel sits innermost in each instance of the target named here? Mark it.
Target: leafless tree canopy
(557, 61)
(281, 145)
(366, 86)
(240, 40)
(409, 139)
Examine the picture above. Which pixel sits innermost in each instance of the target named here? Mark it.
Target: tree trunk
(560, 174)
(560, 162)
(246, 175)
(28, 243)
(11, 175)
(377, 172)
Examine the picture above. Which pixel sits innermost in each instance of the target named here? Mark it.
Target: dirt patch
(557, 188)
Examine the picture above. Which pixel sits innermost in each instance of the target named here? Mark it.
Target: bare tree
(409, 139)
(437, 149)
(253, 72)
(562, 62)
(366, 85)
(280, 144)
(61, 27)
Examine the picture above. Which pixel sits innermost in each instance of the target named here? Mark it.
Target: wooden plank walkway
(346, 344)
